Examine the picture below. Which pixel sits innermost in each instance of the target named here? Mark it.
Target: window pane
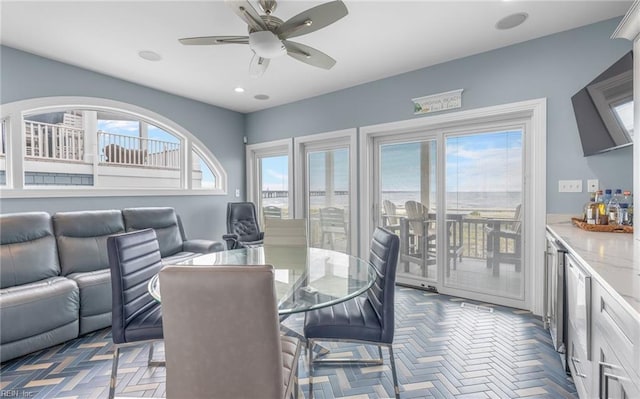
(56, 149)
(408, 204)
(484, 213)
(624, 113)
(274, 183)
(134, 143)
(329, 199)
(202, 176)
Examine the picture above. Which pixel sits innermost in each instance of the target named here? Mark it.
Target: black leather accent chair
(243, 229)
(134, 258)
(368, 319)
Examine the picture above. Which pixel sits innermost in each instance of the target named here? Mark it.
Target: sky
(475, 163)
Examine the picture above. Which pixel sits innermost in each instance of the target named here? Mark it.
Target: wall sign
(438, 102)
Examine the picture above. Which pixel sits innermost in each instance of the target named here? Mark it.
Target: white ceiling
(376, 40)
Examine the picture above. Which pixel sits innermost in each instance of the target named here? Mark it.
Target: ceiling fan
(268, 35)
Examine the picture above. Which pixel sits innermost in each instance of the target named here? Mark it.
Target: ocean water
(464, 201)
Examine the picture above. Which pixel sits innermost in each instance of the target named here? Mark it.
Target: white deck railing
(49, 141)
(136, 151)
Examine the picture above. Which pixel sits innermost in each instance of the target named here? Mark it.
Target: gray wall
(555, 67)
(27, 76)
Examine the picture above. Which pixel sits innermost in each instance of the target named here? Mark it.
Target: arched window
(66, 146)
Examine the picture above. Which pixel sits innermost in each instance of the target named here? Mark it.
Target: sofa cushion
(163, 220)
(28, 250)
(82, 239)
(38, 315)
(95, 299)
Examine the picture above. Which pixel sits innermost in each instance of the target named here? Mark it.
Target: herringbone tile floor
(444, 347)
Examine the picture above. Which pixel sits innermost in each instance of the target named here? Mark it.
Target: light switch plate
(570, 186)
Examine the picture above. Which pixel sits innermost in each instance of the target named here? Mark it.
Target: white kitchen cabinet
(578, 283)
(602, 312)
(612, 379)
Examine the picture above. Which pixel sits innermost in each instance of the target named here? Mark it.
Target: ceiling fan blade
(257, 66)
(214, 40)
(313, 19)
(247, 13)
(309, 55)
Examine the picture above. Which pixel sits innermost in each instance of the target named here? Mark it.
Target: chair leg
(154, 363)
(150, 353)
(393, 371)
(310, 354)
(114, 372)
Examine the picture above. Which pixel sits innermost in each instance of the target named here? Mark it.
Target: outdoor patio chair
(504, 242)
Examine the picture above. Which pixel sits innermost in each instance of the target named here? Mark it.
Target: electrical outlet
(570, 186)
(592, 185)
(237, 192)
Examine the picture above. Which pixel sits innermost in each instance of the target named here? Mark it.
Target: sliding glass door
(484, 208)
(455, 199)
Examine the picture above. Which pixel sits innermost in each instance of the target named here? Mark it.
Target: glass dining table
(305, 278)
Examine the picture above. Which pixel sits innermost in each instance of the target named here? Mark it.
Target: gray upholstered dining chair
(285, 232)
(134, 258)
(368, 319)
(222, 334)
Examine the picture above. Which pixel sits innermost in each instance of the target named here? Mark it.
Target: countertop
(614, 258)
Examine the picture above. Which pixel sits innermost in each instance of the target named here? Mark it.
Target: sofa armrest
(202, 246)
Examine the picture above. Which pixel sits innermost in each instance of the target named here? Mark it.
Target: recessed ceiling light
(261, 97)
(511, 21)
(149, 55)
(239, 90)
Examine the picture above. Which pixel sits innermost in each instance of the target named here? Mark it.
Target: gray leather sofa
(55, 282)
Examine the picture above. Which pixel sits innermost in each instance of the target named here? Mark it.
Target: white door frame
(268, 149)
(534, 178)
(327, 141)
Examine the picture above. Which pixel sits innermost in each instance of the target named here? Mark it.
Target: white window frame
(535, 112)
(254, 152)
(15, 187)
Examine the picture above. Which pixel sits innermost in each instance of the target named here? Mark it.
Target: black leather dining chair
(134, 258)
(368, 319)
(243, 229)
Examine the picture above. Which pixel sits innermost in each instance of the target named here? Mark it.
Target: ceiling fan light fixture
(266, 44)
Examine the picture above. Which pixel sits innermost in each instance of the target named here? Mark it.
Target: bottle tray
(601, 227)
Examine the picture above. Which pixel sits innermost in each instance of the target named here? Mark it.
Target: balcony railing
(49, 141)
(117, 149)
